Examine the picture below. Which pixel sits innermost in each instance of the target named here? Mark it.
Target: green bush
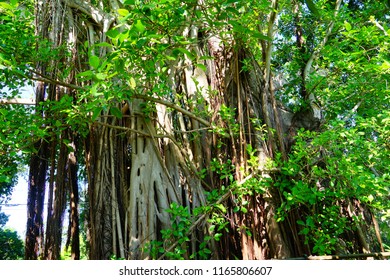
(11, 246)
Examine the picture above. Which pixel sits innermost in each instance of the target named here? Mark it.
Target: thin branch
(133, 130)
(42, 78)
(97, 15)
(377, 24)
(191, 130)
(45, 79)
(323, 43)
(18, 101)
(353, 111)
(270, 35)
(173, 106)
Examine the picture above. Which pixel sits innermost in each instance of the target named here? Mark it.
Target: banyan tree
(205, 129)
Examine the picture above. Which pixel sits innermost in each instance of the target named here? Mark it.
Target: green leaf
(261, 36)
(103, 44)
(385, 66)
(14, 3)
(237, 26)
(96, 113)
(305, 231)
(171, 58)
(201, 66)
(86, 74)
(184, 51)
(123, 12)
(101, 76)
(347, 26)
(312, 7)
(217, 236)
(140, 27)
(206, 57)
(6, 6)
(310, 222)
(58, 123)
(221, 207)
(112, 33)
(116, 112)
(132, 83)
(94, 61)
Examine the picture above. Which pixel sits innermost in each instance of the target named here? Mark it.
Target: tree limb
(18, 101)
(42, 78)
(270, 34)
(324, 41)
(173, 106)
(97, 15)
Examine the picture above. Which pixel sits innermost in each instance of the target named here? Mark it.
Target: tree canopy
(203, 129)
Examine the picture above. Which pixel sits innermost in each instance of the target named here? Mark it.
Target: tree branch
(377, 24)
(270, 34)
(42, 78)
(173, 106)
(18, 101)
(97, 15)
(323, 43)
(133, 130)
(308, 66)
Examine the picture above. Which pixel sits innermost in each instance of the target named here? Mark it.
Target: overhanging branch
(324, 41)
(17, 101)
(97, 15)
(173, 106)
(42, 78)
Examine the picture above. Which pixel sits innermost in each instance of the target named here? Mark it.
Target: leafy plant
(12, 247)
(326, 171)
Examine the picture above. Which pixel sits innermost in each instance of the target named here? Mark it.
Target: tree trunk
(51, 28)
(35, 203)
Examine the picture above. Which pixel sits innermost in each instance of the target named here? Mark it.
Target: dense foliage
(12, 247)
(255, 111)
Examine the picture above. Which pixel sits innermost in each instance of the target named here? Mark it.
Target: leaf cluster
(12, 247)
(326, 172)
